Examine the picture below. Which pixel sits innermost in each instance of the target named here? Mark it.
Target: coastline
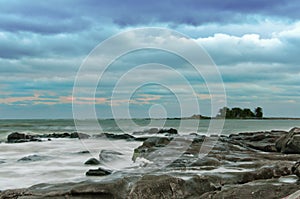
(252, 164)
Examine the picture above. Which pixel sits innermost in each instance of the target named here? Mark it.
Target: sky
(254, 44)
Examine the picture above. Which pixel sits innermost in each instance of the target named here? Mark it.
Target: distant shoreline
(168, 118)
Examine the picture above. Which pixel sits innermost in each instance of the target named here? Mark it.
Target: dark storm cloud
(194, 12)
(52, 17)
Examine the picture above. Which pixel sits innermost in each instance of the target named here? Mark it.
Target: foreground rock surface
(244, 165)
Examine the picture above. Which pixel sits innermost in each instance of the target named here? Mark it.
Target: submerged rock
(109, 155)
(98, 172)
(33, 158)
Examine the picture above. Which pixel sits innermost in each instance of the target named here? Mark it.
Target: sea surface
(62, 160)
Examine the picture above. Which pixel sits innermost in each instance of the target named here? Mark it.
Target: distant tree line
(238, 113)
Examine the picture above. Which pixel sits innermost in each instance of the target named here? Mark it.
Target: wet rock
(170, 131)
(115, 136)
(12, 194)
(21, 137)
(206, 161)
(198, 185)
(263, 141)
(83, 152)
(150, 145)
(79, 135)
(116, 189)
(266, 172)
(15, 136)
(260, 190)
(289, 143)
(296, 169)
(151, 186)
(109, 155)
(33, 158)
(92, 161)
(98, 172)
(165, 186)
(61, 135)
(147, 131)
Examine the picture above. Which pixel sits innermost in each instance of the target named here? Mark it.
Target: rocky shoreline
(244, 165)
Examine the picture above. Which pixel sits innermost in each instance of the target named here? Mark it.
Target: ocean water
(61, 160)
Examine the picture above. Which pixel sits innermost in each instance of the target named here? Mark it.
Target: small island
(239, 113)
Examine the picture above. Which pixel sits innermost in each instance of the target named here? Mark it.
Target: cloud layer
(255, 45)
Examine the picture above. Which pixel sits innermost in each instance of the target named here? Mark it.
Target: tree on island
(238, 113)
(258, 112)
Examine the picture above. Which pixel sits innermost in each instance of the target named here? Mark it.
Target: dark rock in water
(33, 158)
(83, 152)
(147, 131)
(116, 136)
(21, 137)
(79, 135)
(98, 172)
(156, 141)
(109, 155)
(2, 161)
(289, 143)
(58, 135)
(15, 136)
(296, 169)
(170, 131)
(92, 161)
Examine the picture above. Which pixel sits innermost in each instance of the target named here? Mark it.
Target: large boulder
(289, 143)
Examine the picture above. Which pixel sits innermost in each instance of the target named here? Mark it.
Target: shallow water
(129, 126)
